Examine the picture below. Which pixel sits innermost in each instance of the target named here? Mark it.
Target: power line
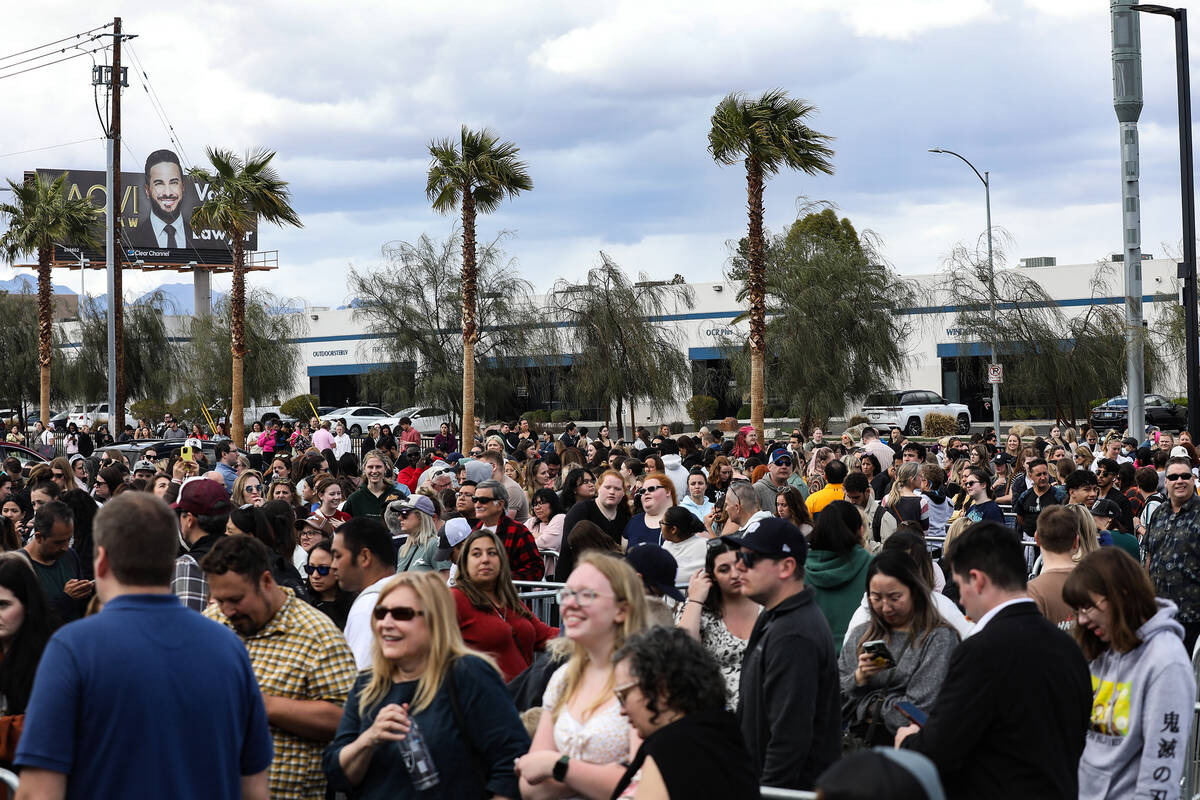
(52, 63)
(56, 41)
(52, 146)
(49, 53)
(156, 104)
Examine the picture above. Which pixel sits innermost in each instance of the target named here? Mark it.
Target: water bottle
(417, 758)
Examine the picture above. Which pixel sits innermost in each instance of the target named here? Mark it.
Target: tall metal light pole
(1187, 270)
(1127, 101)
(987, 194)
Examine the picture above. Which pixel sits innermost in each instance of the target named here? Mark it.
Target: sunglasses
(398, 613)
(321, 570)
(482, 501)
(750, 558)
(405, 513)
(1179, 476)
(253, 488)
(969, 484)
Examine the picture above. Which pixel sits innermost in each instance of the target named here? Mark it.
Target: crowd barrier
(771, 793)
(9, 779)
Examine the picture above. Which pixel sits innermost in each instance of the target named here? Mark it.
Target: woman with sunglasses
(1083, 457)
(329, 498)
(657, 495)
(671, 692)
(426, 690)
(493, 620)
(979, 505)
(717, 614)
(582, 738)
(323, 586)
(416, 518)
(1142, 679)
(248, 489)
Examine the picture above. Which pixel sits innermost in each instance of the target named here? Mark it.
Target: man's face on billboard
(165, 189)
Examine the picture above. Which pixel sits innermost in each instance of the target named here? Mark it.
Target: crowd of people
(969, 618)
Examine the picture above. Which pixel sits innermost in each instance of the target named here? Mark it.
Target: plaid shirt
(524, 558)
(299, 654)
(189, 583)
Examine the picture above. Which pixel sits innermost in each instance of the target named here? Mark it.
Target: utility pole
(1127, 101)
(116, 305)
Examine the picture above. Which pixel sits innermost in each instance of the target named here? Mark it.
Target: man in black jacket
(789, 706)
(1000, 729)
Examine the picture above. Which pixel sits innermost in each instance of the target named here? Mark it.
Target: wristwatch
(560, 769)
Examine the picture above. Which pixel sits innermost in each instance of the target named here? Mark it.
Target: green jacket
(838, 583)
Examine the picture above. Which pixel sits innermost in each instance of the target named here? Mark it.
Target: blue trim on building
(325, 370)
(704, 353)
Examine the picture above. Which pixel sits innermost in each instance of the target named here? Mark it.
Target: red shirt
(506, 636)
(411, 435)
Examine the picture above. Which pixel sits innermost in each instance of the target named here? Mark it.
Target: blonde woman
(1083, 457)
(248, 488)
(1089, 534)
(903, 502)
(423, 676)
(582, 737)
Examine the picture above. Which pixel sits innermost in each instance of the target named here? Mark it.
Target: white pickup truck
(906, 409)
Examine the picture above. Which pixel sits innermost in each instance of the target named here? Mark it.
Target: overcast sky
(610, 105)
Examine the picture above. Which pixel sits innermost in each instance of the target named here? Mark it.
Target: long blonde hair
(445, 642)
(1089, 534)
(627, 589)
(905, 473)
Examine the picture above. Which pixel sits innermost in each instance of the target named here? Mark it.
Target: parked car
(91, 415)
(428, 421)
(906, 409)
(27, 457)
(360, 418)
(1160, 411)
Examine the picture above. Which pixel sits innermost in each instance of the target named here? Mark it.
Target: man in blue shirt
(227, 459)
(146, 698)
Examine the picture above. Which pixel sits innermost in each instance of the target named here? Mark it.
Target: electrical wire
(52, 63)
(56, 41)
(157, 105)
(52, 146)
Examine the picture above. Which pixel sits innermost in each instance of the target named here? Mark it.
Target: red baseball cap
(203, 497)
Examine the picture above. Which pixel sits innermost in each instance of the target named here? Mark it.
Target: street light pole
(985, 178)
(1187, 269)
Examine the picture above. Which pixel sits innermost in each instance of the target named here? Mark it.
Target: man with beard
(164, 222)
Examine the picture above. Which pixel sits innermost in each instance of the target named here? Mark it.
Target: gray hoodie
(1141, 715)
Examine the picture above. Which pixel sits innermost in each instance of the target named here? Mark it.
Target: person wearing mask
(609, 511)
(582, 740)
(917, 642)
(836, 567)
(493, 620)
(789, 704)
(999, 729)
(717, 614)
(658, 494)
(424, 679)
(1058, 537)
(670, 690)
(1143, 684)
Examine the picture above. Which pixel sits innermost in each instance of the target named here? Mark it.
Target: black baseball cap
(773, 537)
(657, 568)
(1105, 508)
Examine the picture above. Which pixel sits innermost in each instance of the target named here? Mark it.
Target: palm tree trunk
(632, 420)
(756, 284)
(620, 414)
(45, 321)
(237, 325)
(470, 334)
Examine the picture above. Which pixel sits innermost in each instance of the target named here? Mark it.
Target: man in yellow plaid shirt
(303, 665)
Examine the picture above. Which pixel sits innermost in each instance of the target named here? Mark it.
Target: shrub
(938, 425)
(744, 412)
(858, 419)
(1179, 401)
(701, 408)
(676, 428)
(562, 415)
(298, 406)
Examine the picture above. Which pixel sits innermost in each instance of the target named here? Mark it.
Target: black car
(1160, 412)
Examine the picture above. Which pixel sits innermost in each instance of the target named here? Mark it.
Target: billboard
(154, 214)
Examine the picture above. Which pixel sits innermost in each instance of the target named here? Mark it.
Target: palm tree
(41, 216)
(767, 133)
(477, 172)
(241, 191)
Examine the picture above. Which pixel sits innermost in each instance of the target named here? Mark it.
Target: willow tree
(473, 174)
(39, 217)
(612, 327)
(411, 305)
(766, 133)
(240, 192)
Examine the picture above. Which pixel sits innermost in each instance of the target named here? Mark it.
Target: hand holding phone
(912, 712)
(879, 653)
(185, 454)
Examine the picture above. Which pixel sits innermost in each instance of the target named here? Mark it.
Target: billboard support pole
(116, 302)
(109, 258)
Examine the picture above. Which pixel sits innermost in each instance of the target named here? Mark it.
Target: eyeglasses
(622, 691)
(1179, 476)
(1093, 609)
(322, 570)
(253, 488)
(482, 501)
(584, 597)
(398, 613)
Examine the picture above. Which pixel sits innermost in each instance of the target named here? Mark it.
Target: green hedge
(701, 408)
(298, 406)
(564, 415)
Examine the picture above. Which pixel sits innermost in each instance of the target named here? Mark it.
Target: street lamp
(987, 194)
(1187, 270)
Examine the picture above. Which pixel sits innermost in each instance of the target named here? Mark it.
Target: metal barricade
(771, 793)
(541, 597)
(9, 779)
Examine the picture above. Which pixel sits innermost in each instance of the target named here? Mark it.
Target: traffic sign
(995, 373)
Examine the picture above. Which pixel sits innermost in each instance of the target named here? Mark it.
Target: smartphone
(912, 712)
(185, 454)
(878, 650)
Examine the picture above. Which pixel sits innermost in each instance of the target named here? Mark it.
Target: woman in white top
(717, 614)
(684, 538)
(582, 727)
(546, 524)
(252, 444)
